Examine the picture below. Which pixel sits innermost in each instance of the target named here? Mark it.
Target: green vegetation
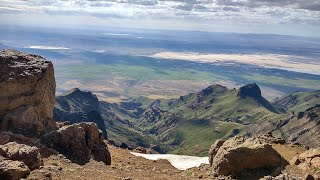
(192, 123)
(196, 139)
(283, 81)
(97, 71)
(299, 101)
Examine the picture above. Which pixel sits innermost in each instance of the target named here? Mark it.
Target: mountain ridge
(177, 125)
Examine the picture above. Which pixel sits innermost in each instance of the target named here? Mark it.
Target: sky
(289, 17)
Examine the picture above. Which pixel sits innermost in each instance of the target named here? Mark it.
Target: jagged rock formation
(21, 152)
(214, 89)
(112, 119)
(302, 128)
(79, 142)
(27, 89)
(298, 102)
(253, 91)
(243, 157)
(250, 90)
(27, 98)
(78, 106)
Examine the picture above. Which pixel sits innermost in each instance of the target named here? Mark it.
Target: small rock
(295, 161)
(126, 178)
(309, 177)
(13, 170)
(30, 155)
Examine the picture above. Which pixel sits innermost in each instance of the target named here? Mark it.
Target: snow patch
(180, 162)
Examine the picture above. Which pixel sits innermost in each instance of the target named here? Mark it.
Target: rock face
(302, 128)
(20, 152)
(27, 100)
(253, 91)
(78, 106)
(214, 149)
(250, 90)
(241, 158)
(298, 101)
(6, 137)
(27, 87)
(13, 170)
(214, 89)
(79, 142)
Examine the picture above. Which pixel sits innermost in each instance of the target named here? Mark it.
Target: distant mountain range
(190, 123)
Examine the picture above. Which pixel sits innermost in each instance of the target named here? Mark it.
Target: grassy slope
(299, 101)
(120, 126)
(206, 118)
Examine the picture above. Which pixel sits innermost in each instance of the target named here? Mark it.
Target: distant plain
(118, 64)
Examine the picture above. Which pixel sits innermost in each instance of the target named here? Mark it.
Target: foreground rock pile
(241, 157)
(264, 157)
(17, 160)
(79, 142)
(27, 131)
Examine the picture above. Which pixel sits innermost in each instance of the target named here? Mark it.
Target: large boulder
(21, 152)
(13, 170)
(79, 142)
(241, 157)
(27, 97)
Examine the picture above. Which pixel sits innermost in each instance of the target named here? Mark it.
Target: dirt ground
(126, 166)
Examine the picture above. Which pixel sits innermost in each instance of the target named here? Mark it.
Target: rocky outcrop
(298, 101)
(212, 90)
(13, 170)
(250, 90)
(214, 149)
(253, 91)
(241, 157)
(78, 106)
(79, 142)
(27, 100)
(21, 152)
(303, 128)
(310, 159)
(27, 87)
(6, 137)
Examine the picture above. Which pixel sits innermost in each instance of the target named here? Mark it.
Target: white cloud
(220, 15)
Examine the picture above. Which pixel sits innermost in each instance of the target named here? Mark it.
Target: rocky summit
(79, 106)
(28, 132)
(27, 97)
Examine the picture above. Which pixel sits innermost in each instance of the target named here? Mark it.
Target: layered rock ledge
(27, 97)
